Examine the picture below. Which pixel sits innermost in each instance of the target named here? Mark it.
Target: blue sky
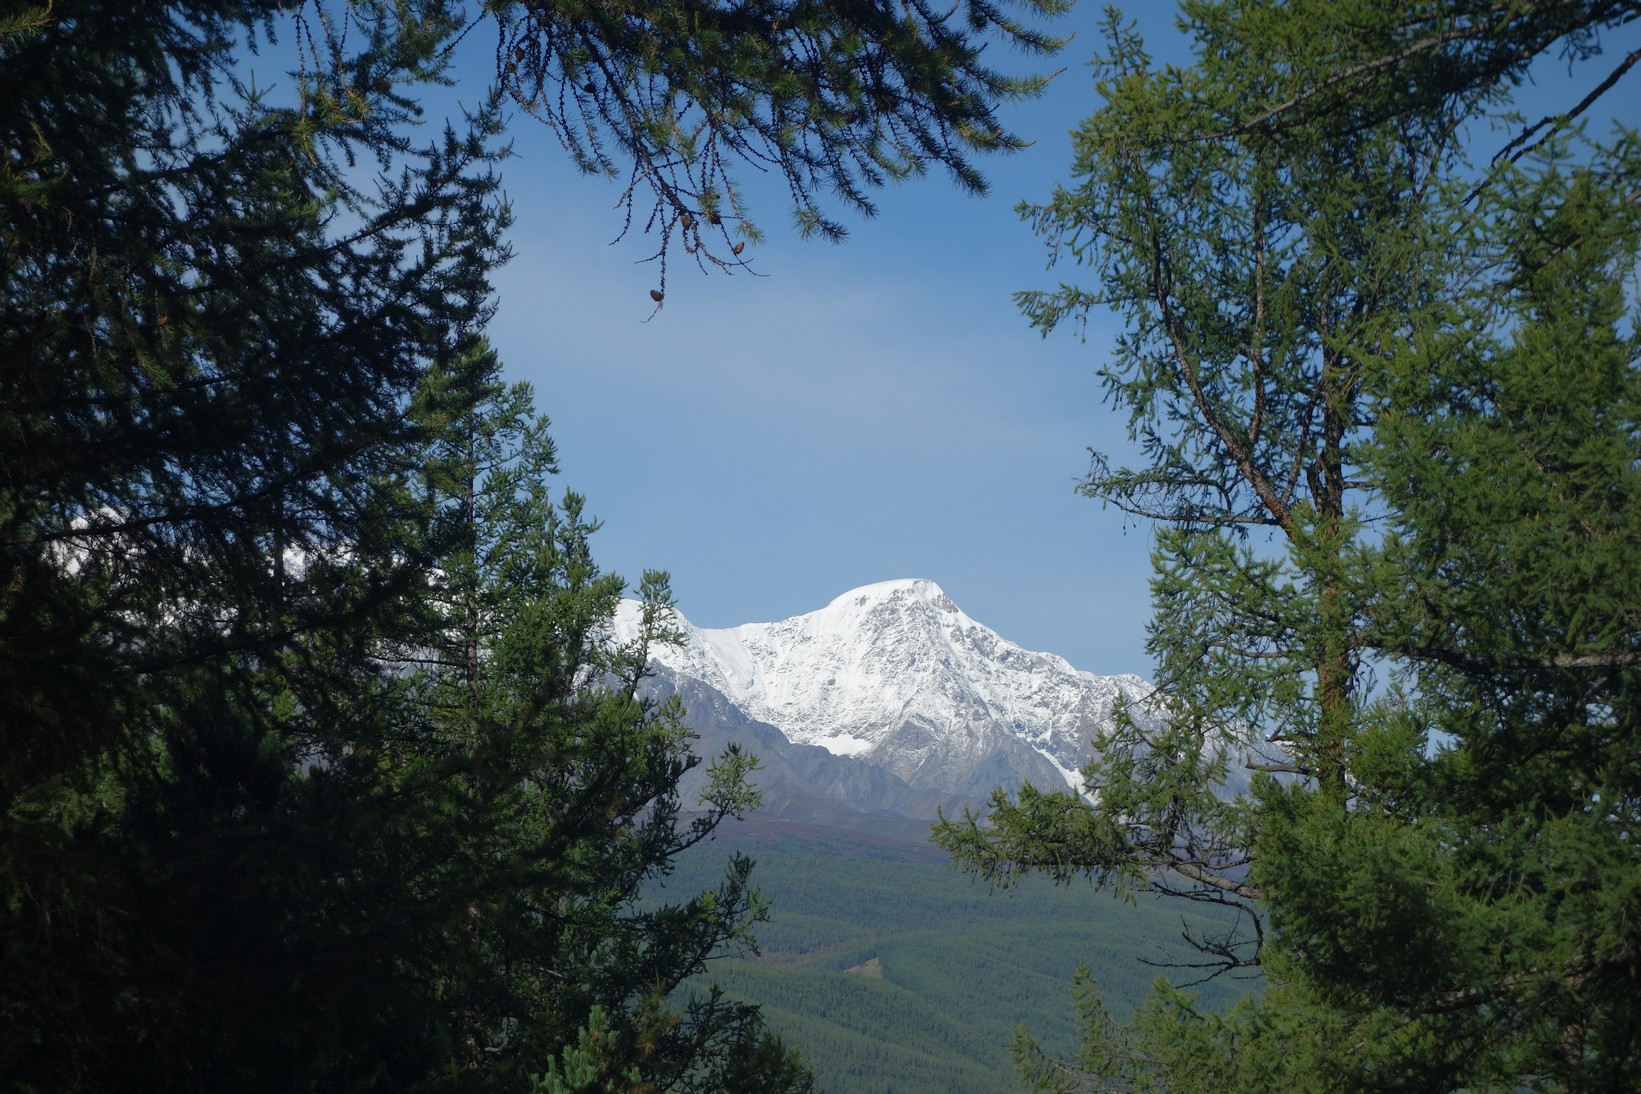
(871, 410)
(860, 412)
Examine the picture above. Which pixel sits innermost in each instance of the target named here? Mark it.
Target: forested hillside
(895, 973)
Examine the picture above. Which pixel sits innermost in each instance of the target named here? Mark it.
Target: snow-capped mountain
(895, 677)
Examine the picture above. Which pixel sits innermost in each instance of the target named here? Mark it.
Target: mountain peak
(919, 588)
(896, 673)
(876, 606)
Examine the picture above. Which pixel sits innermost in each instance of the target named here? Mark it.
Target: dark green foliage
(201, 540)
(181, 331)
(1509, 453)
(838, 97)
(321, 771)
(558, 787)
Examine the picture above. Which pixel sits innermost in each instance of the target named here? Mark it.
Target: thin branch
(1182, 357)
(1203, 876)
(1362, 72)
(1518, 146)
(1466, 659)
(1249, 764)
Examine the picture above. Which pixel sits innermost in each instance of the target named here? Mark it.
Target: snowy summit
(896, 674)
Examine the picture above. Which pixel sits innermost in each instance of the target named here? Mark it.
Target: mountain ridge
(895, 678)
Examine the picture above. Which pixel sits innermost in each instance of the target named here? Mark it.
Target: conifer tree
(563, 783)
(209, 329)
(1433, 873)
(1256, 275)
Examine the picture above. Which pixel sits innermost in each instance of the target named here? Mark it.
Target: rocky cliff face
(888, 701)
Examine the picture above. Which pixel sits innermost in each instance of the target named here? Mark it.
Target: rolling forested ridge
(321, 768)
(895, 973)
